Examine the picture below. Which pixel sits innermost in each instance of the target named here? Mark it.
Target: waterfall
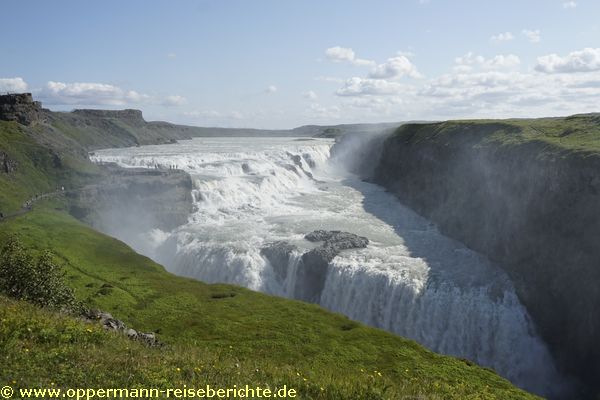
(256, 198)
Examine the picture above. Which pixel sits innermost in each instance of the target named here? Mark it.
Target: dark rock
(296, 159)
(309, 160)
(311, 276)
(132, 201)
(20, 108)
(7, 165)
(338, 240)
(148, 338)
(279, 254)
(112, 324)
(312, 267)
(533, 208)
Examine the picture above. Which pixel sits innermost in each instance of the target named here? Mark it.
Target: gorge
(256, 199)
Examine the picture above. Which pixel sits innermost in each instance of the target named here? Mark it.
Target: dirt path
(28, 205)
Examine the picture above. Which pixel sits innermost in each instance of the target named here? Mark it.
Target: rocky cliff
(527, 194)
(128, 202)
(20, 107)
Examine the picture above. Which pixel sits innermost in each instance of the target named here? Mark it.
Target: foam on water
(411, 280)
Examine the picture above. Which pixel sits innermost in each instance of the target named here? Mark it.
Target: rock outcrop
(532, 207)
(7, 165)
(315, 263)
(132, 201)
(312, 268)
(20, 108)
(115, 325)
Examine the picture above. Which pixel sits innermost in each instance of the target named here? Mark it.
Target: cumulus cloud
(569, 4)
(271, 89)
(505, 93)
(346, 54)
(86, 93)
(502, 37)
(471, 61)
(534, 36)
(101, 94)
(340, 54)
(395, 67)
(477, 86)
(585, 60)
(365, 86)
(12, 85)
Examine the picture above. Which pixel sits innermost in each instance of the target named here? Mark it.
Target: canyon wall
(528, 197)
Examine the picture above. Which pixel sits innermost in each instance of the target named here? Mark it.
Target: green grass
(34, 168)
(84, 355)
(39, 168)
(576, 134)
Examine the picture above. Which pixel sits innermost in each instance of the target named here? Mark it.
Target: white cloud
(584, 60)
(394, 68)
(171, 55)
(364, 86)
(86, 93)
(340, 54)
(101, 94)
(309, 95)
(172, 101)
(569, 4)
(12, 85)
(510, 93)
(534, 36)
(346, 54)
(470, 61)
(502, 37)
(494, 87)
(271, 89)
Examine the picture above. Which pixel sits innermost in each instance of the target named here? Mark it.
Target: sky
(281, 64)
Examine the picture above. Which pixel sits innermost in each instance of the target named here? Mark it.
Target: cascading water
(255, 200)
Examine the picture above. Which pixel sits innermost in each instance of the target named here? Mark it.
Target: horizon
(300, 126)
(275, 65)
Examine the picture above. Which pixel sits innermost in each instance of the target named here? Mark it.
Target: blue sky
(280, 64)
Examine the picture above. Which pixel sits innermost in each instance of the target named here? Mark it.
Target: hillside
(525, 193)
(217, 334)
(217, 325)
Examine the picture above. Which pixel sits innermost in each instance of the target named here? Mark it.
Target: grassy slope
(202, 321)
(580, 133)
(215, 326)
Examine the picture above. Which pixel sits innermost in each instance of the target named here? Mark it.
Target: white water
(411, 280)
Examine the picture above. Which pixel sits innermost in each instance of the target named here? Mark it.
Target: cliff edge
(527, 194)
(20, 107)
